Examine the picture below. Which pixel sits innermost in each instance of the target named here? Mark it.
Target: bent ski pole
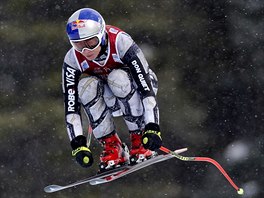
(240, 191)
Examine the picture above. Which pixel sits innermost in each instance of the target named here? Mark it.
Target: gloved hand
(80, 151)
(151, 138)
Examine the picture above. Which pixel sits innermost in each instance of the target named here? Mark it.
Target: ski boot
(137, 152)
(115, 154)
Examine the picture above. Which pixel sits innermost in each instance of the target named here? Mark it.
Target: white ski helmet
(84, 24)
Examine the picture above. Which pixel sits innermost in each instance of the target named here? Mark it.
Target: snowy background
(208, 56)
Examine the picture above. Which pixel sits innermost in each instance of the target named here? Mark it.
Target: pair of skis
(114, 174)
(118, 173)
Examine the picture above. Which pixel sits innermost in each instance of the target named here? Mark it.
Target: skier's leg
(121, 84)
(91, 91)
(112, 102)
(122, 87)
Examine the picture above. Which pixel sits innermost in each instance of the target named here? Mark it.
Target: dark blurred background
(208, 56)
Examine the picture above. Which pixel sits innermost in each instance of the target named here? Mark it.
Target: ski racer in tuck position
(107, 74)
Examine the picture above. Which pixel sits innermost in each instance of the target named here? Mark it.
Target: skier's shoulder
(121, 35)
(123, 41)
(70, 59)
(113, 29)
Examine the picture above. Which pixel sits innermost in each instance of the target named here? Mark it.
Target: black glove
(151, 138)
(80, 151)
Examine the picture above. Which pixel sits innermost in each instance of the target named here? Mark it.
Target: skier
(106, 72)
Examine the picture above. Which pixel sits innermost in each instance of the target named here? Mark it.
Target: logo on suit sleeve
(84, 65)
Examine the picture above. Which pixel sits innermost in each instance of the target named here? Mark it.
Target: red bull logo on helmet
(77, 24)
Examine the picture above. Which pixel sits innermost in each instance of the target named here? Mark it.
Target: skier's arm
(70, 79)
(134, 58)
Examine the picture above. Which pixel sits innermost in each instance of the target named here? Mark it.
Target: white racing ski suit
(118, 82)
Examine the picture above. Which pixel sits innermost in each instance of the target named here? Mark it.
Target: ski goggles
(88, 44)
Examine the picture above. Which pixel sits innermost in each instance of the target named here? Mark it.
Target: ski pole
(240, 191)
(89, 135)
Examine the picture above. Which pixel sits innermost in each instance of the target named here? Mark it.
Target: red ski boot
(115, 154)
(137, 152)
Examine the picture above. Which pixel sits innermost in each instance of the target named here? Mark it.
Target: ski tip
(52, 188)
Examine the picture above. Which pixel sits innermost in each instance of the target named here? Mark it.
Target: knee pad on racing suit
(119, 83)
